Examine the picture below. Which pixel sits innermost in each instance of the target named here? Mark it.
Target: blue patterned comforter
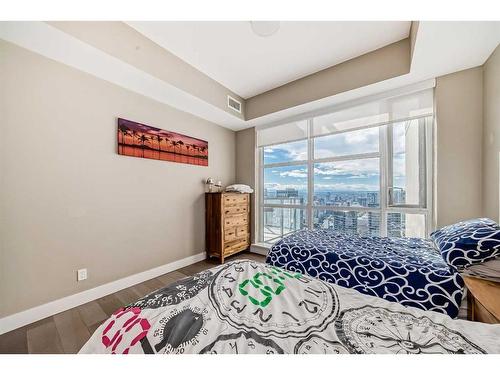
(405, 270)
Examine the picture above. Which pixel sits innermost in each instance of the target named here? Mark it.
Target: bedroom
(301, 187)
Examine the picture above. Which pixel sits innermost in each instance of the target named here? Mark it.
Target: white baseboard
(259, 249)
(34, 314)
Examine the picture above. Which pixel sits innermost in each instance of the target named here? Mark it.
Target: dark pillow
(468, 242)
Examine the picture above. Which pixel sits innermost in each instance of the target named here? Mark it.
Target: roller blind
(397, 105)
(292, 131)
(375, 113)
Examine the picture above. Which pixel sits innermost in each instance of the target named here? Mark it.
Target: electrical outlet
(81, 274)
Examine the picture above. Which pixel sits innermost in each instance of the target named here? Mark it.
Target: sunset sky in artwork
(135, 126)
(144, 141)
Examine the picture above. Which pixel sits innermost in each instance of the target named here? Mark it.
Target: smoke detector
(265, 28)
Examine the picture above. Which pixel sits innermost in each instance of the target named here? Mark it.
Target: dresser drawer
(231, 247)
(230, 234)
(242, 231)
(235, 199)
(236, 210)
(237, 220)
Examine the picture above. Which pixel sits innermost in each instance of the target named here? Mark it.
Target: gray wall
(245, 166)
(491, 136)
(68, 201)
(384, 63)
(458, 173)
(125, 43)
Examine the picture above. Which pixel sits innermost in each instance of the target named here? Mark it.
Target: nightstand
(484, 299)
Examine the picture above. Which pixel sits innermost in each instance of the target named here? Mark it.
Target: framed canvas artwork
(144, 141)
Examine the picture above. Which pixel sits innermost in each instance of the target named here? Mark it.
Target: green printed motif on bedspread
(257, 282)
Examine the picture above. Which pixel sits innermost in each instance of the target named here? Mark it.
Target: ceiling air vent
(234, 104)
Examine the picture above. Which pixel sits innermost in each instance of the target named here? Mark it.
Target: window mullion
(383, 184)
(310, 174)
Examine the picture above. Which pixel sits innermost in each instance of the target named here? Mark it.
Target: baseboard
(259, 249)
(34, 314)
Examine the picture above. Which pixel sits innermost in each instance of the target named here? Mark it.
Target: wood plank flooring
(68, 331)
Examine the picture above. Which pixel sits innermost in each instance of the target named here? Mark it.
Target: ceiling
(441, 48)
(248, 64)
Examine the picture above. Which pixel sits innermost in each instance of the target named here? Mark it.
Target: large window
(357, 175)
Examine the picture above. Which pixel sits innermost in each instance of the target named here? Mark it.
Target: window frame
(385, 156)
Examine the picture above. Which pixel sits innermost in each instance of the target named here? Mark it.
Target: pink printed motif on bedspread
(125, 321)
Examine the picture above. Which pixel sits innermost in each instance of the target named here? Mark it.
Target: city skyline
(280, 221)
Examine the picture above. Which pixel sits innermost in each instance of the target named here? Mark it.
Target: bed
(410, 271)
(249, 307)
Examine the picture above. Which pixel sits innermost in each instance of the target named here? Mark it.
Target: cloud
(362, 168)
(288, 151)
(349, 143)
(296, 173)
(342, 186)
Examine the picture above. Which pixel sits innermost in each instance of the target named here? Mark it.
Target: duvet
(249, 307)
(405, 270)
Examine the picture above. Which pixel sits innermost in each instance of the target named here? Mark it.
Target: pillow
(489, 270)
(468, 242)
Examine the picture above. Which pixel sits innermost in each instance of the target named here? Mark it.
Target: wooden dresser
(227, 229)
(484, 300)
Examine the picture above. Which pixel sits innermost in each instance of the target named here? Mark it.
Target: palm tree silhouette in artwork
(167, 141)
(202, 149)
(142, 138)
(160, 140)
(124, 131)
(196, 148)
(188, 153)
(180, 144)
(174, 144)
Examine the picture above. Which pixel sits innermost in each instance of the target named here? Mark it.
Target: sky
(353, 175)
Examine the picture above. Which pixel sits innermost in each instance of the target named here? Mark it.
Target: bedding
(405, 270)
(469, 242)
(249, 307)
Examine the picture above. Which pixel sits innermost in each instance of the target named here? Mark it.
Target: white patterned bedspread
(249, 307)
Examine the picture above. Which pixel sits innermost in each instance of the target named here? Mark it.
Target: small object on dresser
(210, 184)
(239, 188)
(218, 185)
(227, 224)
(484, 299)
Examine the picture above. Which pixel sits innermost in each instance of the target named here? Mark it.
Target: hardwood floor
(68, 331)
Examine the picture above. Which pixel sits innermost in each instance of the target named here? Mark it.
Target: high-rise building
(395, 224)
(373, 199)
(373, 224)
(287, 193)
(345, 221)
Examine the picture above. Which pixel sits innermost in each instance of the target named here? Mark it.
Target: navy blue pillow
(468, 242)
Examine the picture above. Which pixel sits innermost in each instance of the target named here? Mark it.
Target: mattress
(249, 307)
(405, 270)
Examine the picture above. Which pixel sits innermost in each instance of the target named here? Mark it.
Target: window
(365, 174)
